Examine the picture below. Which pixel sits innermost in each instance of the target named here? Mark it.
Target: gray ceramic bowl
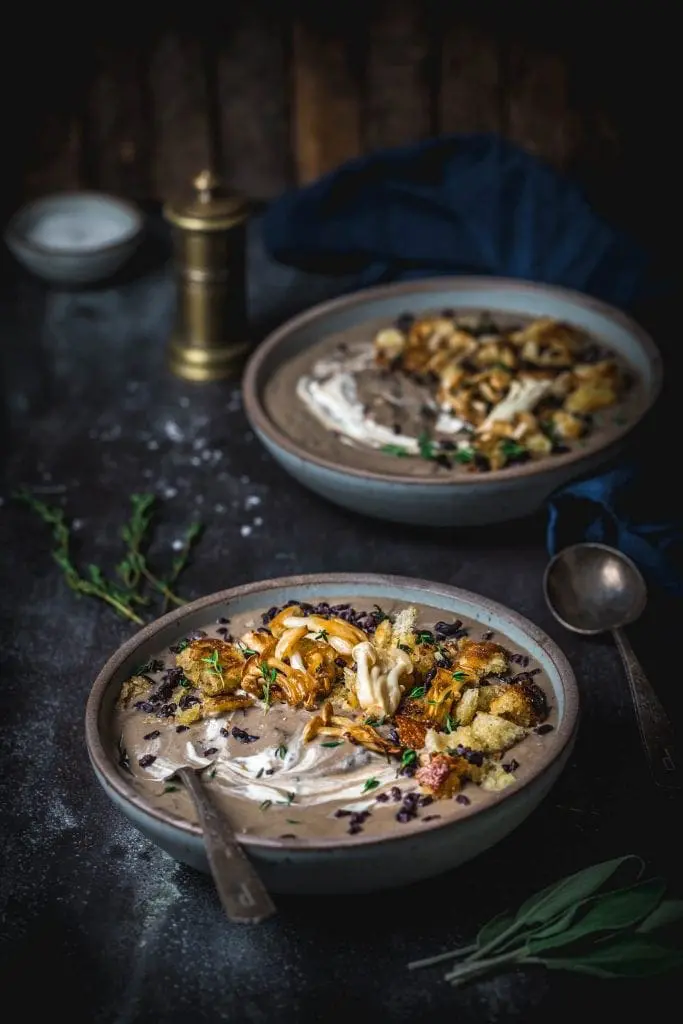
(349, 863)
(472, 499)
(74, 238)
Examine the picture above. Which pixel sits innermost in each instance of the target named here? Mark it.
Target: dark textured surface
(123, 933)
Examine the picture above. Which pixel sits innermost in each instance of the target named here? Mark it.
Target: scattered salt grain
(219, 508)
(244, 479)
(173, 431)
(252, 501)
(245, 530)
(183, 402)
(177, 545)
(77, 524)
(195, 461)
(169, 492)
(258, 521)
(198, 444)
(152, 445)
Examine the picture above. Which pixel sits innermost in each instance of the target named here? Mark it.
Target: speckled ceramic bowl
(474, 499)
(75, 238)
(350, 863)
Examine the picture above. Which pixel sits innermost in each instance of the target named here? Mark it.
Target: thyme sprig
(126, 595)
(589, 922)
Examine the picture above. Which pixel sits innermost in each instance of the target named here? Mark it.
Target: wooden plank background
(275, 94)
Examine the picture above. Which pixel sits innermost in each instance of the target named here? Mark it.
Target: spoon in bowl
(593, 588)
(241, 891)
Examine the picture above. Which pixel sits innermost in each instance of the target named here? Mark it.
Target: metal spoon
(241, 891)
(592, 588)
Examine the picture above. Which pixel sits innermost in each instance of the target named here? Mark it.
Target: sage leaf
(625, 957)
(494, 929)
(662, 918)
(545, 905)
(607, 913)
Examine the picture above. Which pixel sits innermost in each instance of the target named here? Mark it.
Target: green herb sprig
(128, 595)
(588, 922)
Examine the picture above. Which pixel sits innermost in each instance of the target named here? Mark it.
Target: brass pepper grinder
(209, 339)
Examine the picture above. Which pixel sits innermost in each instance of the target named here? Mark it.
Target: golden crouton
(567, 425)
(135, 688)
(467, 706)
(589, 398)
(389, 345)
(479, 658)
(411, 731)
(488, 733)
(215, 666)
(443, 775)
(515, 704)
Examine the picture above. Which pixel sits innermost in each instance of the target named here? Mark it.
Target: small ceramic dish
(74, 238)
(339, 862)
(463, 499)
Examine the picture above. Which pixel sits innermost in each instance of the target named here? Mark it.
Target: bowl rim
(555, 743)
(265, 425)
(13, 232)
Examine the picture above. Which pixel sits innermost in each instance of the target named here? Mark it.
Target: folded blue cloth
(476, 204)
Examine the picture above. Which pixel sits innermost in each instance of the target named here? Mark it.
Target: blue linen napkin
(477, 204)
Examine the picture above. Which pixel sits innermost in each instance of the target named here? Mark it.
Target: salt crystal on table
(245, 530)
(252, 501)
(173, 431)
(258, 521)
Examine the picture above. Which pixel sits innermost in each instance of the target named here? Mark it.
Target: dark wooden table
(96, 921)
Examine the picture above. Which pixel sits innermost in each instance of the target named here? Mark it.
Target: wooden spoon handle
(242, 893)
(656, 731)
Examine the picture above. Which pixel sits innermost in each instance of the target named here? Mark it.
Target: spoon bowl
(592, 588)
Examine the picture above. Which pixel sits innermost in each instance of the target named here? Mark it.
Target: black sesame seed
(242, 735)
(167, 710)
(270, 771)
(403, 816)
(223, 621)
(393, 735)
(431, 817)
(340, 663)
(146, 760)
(443, 629)
(525, 661)
(152, 735)
(287, 835)
(182, 728)
(382, 798)
(443, 461)
(144, 705)
(341, 813)
(543, 729)
(462, 799)
(395, 793)
(210, 750)
(511, 766)
(187, 701)
(353, 830)
(534, 671)
(425, 801)
(487, 635)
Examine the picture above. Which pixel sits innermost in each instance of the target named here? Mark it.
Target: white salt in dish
(74, 237)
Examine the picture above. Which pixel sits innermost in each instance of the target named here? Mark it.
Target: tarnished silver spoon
(593, 588)
(241, 891)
